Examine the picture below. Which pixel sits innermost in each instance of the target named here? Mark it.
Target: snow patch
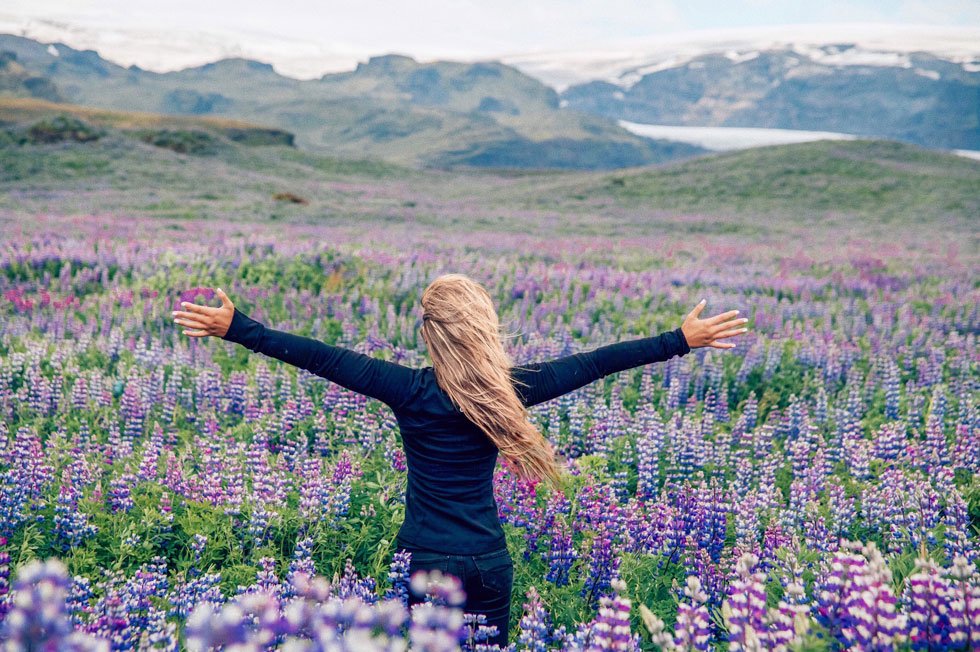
(931, 74)
(729, 138)
(53, 51)
(619, 95)
(735, 57)
(833, 56)
(627, 78)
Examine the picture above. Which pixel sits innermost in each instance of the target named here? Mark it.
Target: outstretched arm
(547, 380)
(386, 381)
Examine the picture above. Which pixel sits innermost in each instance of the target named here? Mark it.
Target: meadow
(814, 488)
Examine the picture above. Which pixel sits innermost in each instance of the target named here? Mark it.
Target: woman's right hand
(202, 321)
(707, 332)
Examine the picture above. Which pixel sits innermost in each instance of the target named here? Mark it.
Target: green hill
(15, 111)
(883, 179)
(100, 162)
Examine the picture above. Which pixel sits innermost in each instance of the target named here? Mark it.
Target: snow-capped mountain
(867, 45)
(918, 85)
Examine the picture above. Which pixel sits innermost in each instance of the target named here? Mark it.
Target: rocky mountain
(390, 107)
(17, 81)
(915, 97)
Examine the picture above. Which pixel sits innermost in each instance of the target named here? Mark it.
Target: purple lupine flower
(603, 565)
(395, 455)
(477, 633)
(132, 411)
(266, 580)
(534, 528)
(855, 600)
(791, 617)
(25, 481)
(351, 584)
(436, 628)
(259, 521)
(843, 512)
(151, 454)
(71, 526)
(745, 607)
(302, 563)
(889, 440)
(698, 562)
(611, 631)
(535, 624)
(649, 445)
(891, 384)
(747, 518)
(927, 599)
(38, 619)
(78, 602)
(956, 527)
(209, 626)
(194, 295)
(399, 577)
(197, 544)
(4, 577)
(964, 606)
(693, 628)
(561, 554)
(200, 590)
(119, 498)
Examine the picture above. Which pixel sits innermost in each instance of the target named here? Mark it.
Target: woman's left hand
(202, 321)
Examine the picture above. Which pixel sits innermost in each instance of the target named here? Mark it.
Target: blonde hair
(462, 333)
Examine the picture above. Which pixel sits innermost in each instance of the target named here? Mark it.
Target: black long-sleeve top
(449, 501)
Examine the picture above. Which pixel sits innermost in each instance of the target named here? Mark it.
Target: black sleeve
(386, 381)
(548, 380)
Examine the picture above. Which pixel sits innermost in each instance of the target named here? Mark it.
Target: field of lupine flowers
(814, 488)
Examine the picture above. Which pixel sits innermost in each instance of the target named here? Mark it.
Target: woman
(456, 416)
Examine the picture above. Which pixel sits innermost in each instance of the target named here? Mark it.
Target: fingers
(196, 333)
(722, 317)
(722, 345)
(193, 307)
(225, 301)
(732, 327)
(698, 308)
(729, 333)
(179, 314)
(191, 323)
(734, 323)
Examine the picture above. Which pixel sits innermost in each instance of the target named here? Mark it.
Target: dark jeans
(487, 580)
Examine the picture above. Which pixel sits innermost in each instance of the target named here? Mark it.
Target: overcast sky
(183, 30)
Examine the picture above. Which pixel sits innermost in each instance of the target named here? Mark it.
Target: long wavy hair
(463, 335)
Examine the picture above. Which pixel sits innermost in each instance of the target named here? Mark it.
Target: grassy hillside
(15, 111)
(880, 179)
(768, 194)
